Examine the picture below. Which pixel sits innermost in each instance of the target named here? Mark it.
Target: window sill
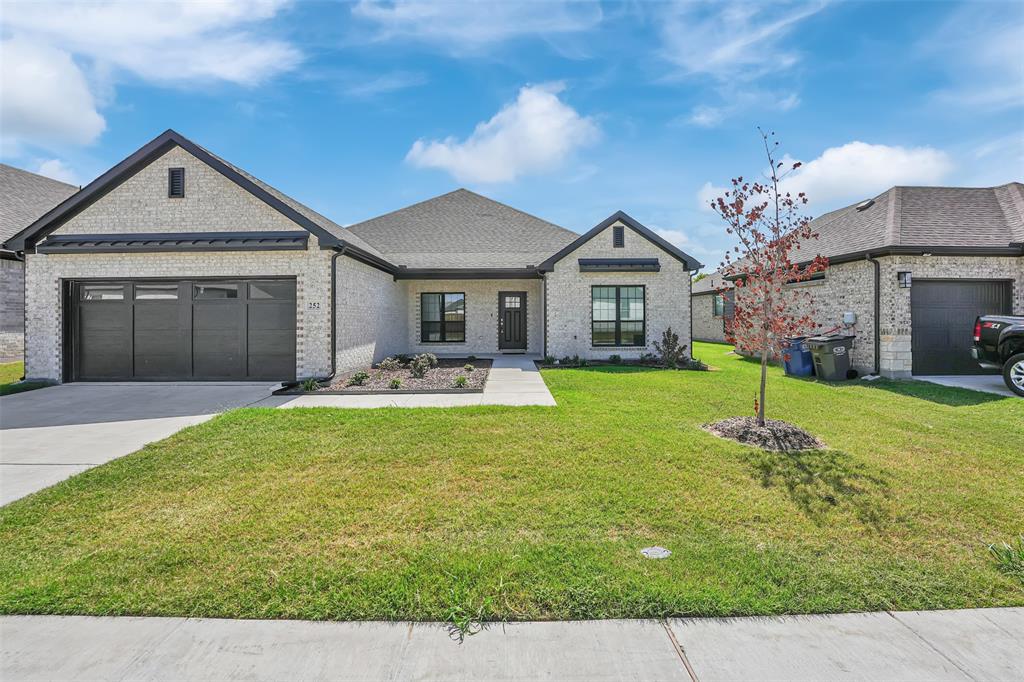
(617, 347)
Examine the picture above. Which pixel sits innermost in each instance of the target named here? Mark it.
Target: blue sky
(569, 111)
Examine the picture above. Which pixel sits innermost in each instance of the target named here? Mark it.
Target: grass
(10, 379)
(532, 513)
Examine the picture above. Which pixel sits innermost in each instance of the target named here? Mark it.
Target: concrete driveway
(986, 383)
(50, 434)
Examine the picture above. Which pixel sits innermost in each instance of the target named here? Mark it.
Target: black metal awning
(619, 265)
(174, 242)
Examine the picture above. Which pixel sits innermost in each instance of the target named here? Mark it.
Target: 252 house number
(313, 305)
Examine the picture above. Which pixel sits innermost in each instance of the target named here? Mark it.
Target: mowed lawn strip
(10, 379)
(534, 513)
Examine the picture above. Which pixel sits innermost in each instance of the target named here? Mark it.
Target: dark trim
(88, 195)
(175, 241)
(687, 260)
(526, 320)
(544, 324)
(365, 257)
(619, 265)
(442, 322)
(618, 322)
(877, 323)
(170, 183)
(466, 273)
(618, 237)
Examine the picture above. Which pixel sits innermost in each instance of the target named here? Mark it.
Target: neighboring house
(175, 264)
(24, 197)
(914, 266)
(711, 305)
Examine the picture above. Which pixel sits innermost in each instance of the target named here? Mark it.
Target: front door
(512, 320)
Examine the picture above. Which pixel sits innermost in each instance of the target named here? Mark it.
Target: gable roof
(462, 229)
(689, 261)
(950, 219)
(330, 234)
(710, 284)
(25, 196)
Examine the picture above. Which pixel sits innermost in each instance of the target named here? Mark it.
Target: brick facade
(371, 313)
(706, 325)
(667, 296)
(12, 309)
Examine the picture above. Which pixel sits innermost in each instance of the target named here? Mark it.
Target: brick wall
(569, 302)
(371, 315)
(706, 326)
(12, 309)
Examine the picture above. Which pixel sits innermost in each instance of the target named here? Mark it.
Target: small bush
(549, 359)
(615, 359)
(694, 364)
(422, 363)
(392, 364)
(568, 361)
(671, 351)
(1009, 557)
(395, 384)
(310, 384)
(472, 358)
(358, 379)
(404, 358)
(461, 381)
(575, 361)
(468, 367)
(583, 362)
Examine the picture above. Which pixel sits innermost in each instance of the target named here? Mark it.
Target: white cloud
(708, 193)
(383, 84)
(677, 237)
(734, 41)
(45, 96)
(858, 170)
(707, 117)
(58, 170)
(469, 27)
(536, 133)
(176, 42)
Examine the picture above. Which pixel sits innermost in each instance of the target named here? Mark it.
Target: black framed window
(618, 316)
(718, 305)
(442, 317)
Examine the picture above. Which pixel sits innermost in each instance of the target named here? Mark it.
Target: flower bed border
(386, 391)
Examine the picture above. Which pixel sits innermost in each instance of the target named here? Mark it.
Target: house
(711, 305)
(175, 264)
(910, 269)
(24, 197)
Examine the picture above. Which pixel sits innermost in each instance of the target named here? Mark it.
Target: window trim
(618, 311)
(716, 309)
(170, 183)
(443, 322)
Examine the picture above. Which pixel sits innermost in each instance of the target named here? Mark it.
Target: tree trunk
(764, 378)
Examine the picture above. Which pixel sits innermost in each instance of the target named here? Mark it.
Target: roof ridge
(517, 210)
(894, 216)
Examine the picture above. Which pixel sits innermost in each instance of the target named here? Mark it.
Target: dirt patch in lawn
(438, 378)
(775, 435)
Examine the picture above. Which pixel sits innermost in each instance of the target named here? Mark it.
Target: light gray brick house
(24, 196)
(915, 266)
(175, 264)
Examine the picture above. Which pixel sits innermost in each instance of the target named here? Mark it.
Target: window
(271, 290)
(618, 316)
(215, 291)
(176, 183)
(156, 292)
(102, 292)
(619, 236)
(442, 318)
(718, 305)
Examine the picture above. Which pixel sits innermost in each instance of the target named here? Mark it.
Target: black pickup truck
(999, 344)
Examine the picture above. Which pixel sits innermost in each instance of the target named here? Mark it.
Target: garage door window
(216, 291)
(156, 292)
(102, 292)
(280, 291)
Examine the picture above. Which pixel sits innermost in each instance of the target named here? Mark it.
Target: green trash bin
(831, 354)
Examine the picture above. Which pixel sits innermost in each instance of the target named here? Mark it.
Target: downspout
(878, 313)
(334, 314)
(24, 307)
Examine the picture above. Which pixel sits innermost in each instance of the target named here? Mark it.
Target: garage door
(942, 319)
(238, 330)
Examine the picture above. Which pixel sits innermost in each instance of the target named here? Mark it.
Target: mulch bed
(775, 435)
(441, 377)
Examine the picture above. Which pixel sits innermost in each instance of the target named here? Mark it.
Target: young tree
(768, 223)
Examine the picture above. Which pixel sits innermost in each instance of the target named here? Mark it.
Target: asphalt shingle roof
(462, 229)
(713, 282)
(25, 196)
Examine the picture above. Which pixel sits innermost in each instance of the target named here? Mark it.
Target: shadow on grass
(819, 481)
(936, 393)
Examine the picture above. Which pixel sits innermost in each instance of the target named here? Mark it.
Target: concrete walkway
(986, 383)
(513, 380)
(937, 645)
(50, 434)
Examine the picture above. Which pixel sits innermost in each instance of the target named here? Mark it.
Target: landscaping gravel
(774, 435)
(440, 377)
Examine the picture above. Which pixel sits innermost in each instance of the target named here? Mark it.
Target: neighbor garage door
(942, 319)
(234, 330)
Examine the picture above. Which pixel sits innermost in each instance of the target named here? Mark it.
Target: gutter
(334, 328)
(878, 313)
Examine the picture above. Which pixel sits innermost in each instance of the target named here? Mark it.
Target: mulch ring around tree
(775, 435)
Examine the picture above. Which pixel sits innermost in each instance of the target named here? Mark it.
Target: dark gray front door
(512, 320)
(942, 316)
(236, 330)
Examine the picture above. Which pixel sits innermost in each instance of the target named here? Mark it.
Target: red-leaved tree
(769, 225)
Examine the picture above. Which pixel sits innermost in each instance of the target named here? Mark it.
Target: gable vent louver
(618, 236)
(176, 183)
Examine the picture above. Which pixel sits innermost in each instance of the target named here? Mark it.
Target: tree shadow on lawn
(935, 393)
(820, 481)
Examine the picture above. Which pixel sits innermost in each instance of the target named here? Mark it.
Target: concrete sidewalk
(954, 645)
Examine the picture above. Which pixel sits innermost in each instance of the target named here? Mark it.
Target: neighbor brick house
(24, 197)
(915, 266)
(175, 264)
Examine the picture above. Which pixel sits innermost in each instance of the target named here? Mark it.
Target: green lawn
(527, 513)
(10, 376)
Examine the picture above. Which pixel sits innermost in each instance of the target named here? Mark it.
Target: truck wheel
(1013, 374)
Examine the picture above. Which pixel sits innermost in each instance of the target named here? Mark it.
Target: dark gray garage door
(942, 318)
(236, 330)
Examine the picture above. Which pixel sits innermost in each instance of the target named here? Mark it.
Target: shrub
(575, 360)
(694, 364)
(615, 359)
(468, 367)
(472, 358)
(549, 359)
(310, 384)
(358, 379)
(583, 362)
(421, 363)
(461, 381)
(404, 358)
(567, 360)
(392, 364)
(395, 384)
(1009, 558)
(671, 351)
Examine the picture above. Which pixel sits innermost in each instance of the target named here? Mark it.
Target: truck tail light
(977, 330)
